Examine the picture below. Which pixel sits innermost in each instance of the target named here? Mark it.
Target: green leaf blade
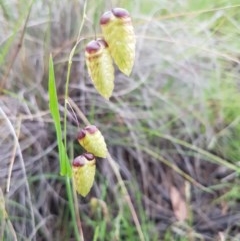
(65, 168)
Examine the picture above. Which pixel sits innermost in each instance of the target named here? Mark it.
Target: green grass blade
(65, 169)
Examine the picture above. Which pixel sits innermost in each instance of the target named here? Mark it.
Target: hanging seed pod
(100, 67)
(92, 140)
(83, 169)
(118, 32)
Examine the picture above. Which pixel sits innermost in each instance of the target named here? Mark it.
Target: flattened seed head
(93, 142)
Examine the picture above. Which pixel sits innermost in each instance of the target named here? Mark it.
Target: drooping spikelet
(92, 140)
(83, 170)
(119, 34)
(100, 67)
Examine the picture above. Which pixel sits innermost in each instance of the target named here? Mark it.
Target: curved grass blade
(65, 168)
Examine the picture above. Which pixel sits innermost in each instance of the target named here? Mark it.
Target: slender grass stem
(72, 202)
(126, 195)
(78, 233)
(68, 75)
(79, 224)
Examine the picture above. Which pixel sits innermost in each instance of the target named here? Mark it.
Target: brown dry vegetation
(172, 126)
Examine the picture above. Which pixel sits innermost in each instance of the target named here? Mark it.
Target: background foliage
(172, 126)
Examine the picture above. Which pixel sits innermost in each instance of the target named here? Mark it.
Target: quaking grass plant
(118, 45)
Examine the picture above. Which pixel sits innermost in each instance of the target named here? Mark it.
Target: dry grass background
(172, 126)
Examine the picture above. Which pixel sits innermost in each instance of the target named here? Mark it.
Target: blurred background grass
(172, 126)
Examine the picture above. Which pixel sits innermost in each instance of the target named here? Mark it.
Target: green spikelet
(92, 140)
(83, 169)
(118, 32)
(100, 67)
